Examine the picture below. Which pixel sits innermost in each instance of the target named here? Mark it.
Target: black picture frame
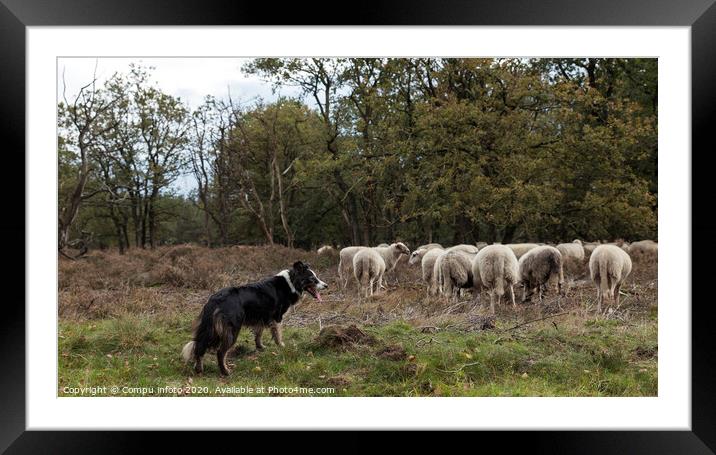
(700, 15)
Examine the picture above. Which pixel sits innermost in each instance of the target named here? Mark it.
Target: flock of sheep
(495, 268)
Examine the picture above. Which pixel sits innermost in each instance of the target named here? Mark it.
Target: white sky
(189, 79)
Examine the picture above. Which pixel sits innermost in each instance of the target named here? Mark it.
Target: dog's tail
(187, 352)
(204, 333)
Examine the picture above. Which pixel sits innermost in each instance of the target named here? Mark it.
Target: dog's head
(305, 279)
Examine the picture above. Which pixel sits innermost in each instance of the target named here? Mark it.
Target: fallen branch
(536, 320)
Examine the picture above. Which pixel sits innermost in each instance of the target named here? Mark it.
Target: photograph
(401, 226)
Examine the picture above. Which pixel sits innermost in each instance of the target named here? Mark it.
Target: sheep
(427, 265)
(400, 261)
(608, 267)
(495, 268)
(572, 251)
(538, 267)
(453, 272)
(588, 247)
(326, 250)
(471, 249)
(365, 264)
(368, 264)
(417, 256)
(429, 246)
(521, 248)
(481, 245)
(620, 243)
(345, 263)
(643, 248)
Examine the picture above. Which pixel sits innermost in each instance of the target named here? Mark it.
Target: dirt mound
(340, 380)
(392, 352)
(645, 352)
(336, 336)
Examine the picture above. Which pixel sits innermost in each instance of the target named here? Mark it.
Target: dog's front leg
(277, 334)
(258, 331)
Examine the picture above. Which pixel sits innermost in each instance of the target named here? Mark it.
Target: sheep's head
(416, 256)
(399, 249)
(577, 241)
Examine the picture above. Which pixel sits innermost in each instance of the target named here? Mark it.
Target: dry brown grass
(178, 280)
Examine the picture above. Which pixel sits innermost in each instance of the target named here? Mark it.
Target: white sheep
(345, 263)
(368, 265)
(521, 248)
(481, 245)
(465, 248)
(538, 267)
(643, 248)
(417, 256)
(572, 251)
(427, 265)
(608, 267)
(588, 247)
(495, 268)
(429, 246)
(620, 243)
(326, 250)
(365, 264)
(453, 272)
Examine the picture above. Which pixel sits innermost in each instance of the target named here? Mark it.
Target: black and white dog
(254, 305)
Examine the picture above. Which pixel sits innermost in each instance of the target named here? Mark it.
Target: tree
(376, 149)
(78, 120)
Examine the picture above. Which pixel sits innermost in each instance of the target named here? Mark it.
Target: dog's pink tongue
(318, 296)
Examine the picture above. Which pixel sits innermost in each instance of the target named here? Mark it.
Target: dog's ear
(300, 266)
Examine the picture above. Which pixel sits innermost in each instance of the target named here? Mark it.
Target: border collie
(254, 305)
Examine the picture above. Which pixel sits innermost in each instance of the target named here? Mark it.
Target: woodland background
(374, 150)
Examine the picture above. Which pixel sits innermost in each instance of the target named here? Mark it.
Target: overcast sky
(190, 79)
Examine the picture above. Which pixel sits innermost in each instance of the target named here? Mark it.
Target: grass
(597, 359)
(114, 331)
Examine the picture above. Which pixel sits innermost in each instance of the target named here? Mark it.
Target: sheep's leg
(511, 296)
(599, 298)
(492, 302)
(616, 294)
(344, 274)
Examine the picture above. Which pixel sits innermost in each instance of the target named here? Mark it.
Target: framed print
(444, 219)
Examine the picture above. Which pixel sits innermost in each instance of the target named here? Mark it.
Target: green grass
(572, 358)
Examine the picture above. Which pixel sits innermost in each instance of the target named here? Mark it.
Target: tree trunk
(68, 215)
(282, 206)
(207, 227)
